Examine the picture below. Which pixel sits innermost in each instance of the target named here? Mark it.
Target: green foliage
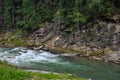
(7, 13)
(41, 25)
(29, 14)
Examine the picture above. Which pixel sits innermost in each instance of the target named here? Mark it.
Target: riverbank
(9, 72)
(65, 52)
(98, 41)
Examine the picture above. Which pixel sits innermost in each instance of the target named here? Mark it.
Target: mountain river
(46, 61)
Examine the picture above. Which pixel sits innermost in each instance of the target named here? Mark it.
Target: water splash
(23, 57)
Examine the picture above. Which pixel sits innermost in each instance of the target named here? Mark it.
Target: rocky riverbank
(99, 42)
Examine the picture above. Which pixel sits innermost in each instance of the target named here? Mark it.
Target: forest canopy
(31, 14)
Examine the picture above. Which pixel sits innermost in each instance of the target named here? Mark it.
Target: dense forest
(61, 36)
(32, 14)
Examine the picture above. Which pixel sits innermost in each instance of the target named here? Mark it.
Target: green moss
(98, 53)
(61, 50)
(16, 42)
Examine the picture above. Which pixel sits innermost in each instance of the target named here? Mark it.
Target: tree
(29, 14)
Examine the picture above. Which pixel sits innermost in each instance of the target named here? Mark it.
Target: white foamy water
(25, 57)
(42, 60)
(22, 55)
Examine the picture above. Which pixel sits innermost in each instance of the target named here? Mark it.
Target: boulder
(117, 26)
(116, 17)
(115, 57)
(69, 55)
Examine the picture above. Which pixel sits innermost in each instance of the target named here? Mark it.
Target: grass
(9, 72)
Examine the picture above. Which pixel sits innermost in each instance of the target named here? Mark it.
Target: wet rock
(115, 57)
(96, 58)
(9, 45)
(69, 55)
(38, 48)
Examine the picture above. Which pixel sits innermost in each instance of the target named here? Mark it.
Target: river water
(42, 60)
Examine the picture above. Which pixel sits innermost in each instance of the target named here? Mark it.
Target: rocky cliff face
(100, 35)
(100, 41)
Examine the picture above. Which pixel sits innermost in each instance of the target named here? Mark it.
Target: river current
(46, 61)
